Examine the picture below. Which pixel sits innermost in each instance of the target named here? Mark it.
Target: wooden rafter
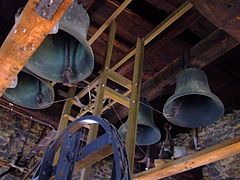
(23, 40)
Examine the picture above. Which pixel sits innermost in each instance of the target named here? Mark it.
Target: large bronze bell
(147, 131)
(30, 92)
(193, 105)
(65, 57)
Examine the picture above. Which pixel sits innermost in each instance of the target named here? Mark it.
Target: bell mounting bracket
(48, 8)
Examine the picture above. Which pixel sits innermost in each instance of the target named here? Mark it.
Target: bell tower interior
(151, 87)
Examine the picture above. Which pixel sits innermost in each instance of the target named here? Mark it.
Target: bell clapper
(167, 144)
(67, 72)
(40, 95)
(195, 139)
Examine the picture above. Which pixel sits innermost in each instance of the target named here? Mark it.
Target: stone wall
(17, 135)
(226, 128)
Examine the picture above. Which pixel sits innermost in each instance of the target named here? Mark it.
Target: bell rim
(210, 95)
(46, 83)
(156, 130)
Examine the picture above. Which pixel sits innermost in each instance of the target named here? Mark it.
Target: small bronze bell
(193, 105)
(147, 131)
(65, 57)
(30, 92)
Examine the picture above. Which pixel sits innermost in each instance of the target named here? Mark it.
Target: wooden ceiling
(212, 49)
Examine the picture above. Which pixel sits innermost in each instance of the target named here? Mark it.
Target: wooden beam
(92, 134)
(163, 5)
(118, 97)
(120, 79)
(223, 14)
(172, 32)
(87, 4)
(157, 30)
(134, 104)
(202, 54)
(94, 158)
(5, 163)
(64, 119)
(109, 21)
(206, 156)
(23, 40)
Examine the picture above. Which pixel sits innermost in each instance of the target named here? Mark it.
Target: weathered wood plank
(206, 156)
(23, 40)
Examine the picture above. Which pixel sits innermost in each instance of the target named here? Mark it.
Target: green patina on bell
(65, 57)
(147, 131)
(31, 92)
(193, 105)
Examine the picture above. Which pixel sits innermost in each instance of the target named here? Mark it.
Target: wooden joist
(206, 156)
(24, 39)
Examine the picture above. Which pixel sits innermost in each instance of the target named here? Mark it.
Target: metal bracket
(48, 8)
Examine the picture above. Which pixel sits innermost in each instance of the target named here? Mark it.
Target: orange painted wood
(206, 156)
(23, 40)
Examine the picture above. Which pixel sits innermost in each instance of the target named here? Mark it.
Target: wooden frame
(23, 40)
(106, 92)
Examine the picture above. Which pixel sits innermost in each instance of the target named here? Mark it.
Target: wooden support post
(134, 103)
(24, 39)
(92, 134)
(64, 119)
(206, 156)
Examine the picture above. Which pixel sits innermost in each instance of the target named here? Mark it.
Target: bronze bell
(65, 57)
(30, 92)
(147, 131)
(193, 105)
